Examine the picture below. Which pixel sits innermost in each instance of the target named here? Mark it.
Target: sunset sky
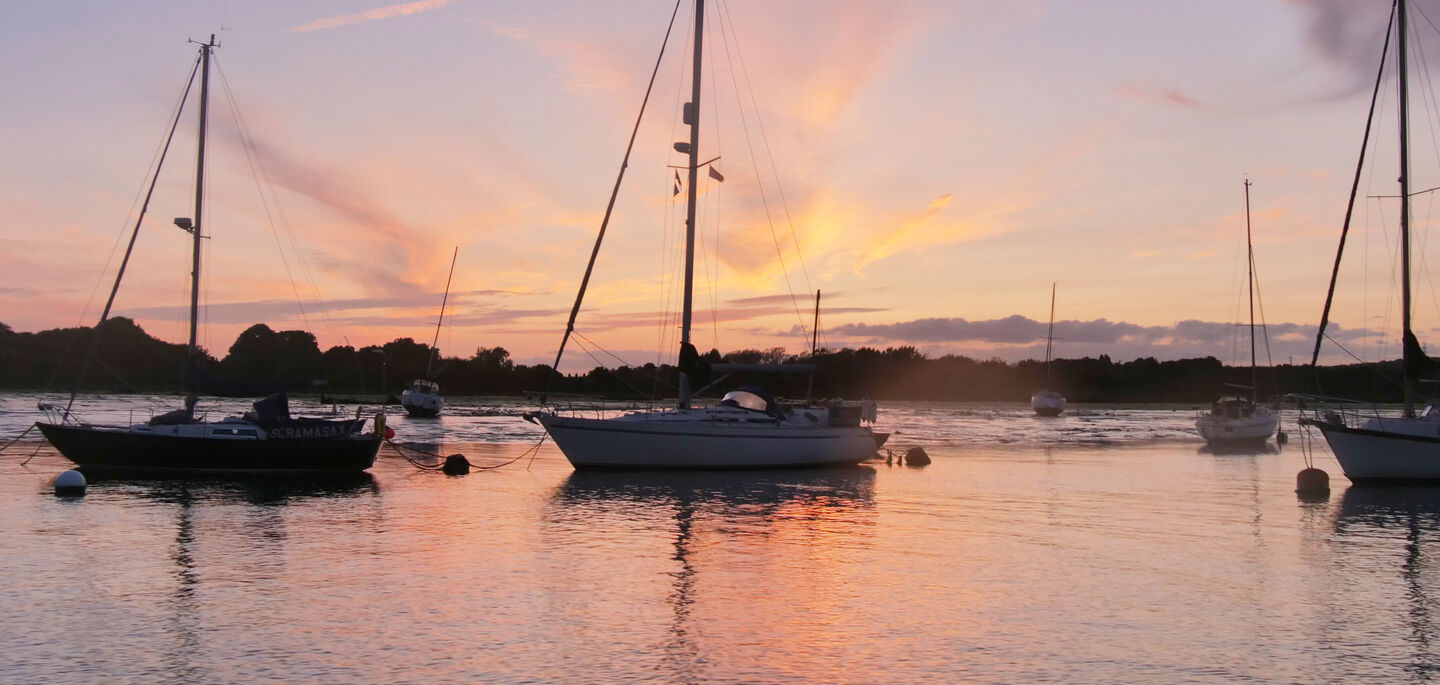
(939, 163)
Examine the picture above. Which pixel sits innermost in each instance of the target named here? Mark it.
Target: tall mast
(192, 392)
(1050, 336)
(1405, 212)
(692, 117)
(815, 328)
(441, 320)
(1250, 281)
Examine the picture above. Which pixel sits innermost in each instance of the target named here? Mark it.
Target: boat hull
(1254, 429)
(421, 404)
(1368, 454)
(105, 449)
(619, 444)
(1047, 403)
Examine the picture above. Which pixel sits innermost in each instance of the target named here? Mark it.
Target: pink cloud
(1162, 96)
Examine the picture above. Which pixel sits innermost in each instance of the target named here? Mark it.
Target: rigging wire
(156, 160)
(1354, 188)
(605, 222)
(769, 151)
(712, 277)
(727, 36)
(129, 249)
(271, 206)
(1260, 303)
(669, 282)
(1428, 98)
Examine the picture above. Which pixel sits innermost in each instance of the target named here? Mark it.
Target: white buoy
(70, 482)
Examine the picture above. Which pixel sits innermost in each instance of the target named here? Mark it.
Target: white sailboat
(1369, 445)
(1238, 419)
(1048, 402)
(747, 428)
(423, 398)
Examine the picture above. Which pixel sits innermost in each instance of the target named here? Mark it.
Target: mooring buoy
(70, 482)
(1312, 481)
(456, 465)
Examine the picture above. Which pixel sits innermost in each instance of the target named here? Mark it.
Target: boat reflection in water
(1372, 520)
(779, 542)
(251, 488)
(262, 521)
(1237, 449)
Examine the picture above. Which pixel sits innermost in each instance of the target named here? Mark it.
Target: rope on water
(408, 454)
(17, 439)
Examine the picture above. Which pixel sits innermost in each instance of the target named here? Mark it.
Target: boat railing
(58, 414)
(1339, 411)
(595, 407)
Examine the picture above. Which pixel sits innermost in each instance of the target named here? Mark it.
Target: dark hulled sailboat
(265, 440)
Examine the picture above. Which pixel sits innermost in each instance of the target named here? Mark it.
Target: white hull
(1047, 403)
(695, 439)
(421, 403)
(1393, 449)
(1257, 427)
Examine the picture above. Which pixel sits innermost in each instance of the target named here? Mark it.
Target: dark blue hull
(119, 450)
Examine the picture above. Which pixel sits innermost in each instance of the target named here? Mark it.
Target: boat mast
(815, 328)
(441, 320)
(1250, 283)
(1407, 362)
(1050, 336)
(192, 394)
(692, 117)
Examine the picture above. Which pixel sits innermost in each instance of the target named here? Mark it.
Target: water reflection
(265, 490)
(262, 525)
(1238, 450)
(705, 516)
(1411, 514)
(749, 492)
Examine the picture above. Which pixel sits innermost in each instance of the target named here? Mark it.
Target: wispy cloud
(909, 233)
(1161, 96)
(387, 12)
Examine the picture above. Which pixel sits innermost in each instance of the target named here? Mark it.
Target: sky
(931, 167)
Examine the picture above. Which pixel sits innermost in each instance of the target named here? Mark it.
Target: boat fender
(456, 465)
(380, 423)
(916, 456)
(1312, 481)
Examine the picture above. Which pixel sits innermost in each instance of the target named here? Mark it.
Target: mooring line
(405, 451)
(17, 438)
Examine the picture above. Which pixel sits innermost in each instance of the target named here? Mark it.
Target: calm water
(1105, 546)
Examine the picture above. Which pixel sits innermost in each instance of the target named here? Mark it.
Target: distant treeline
(126, 359)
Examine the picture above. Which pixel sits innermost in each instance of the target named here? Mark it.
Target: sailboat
(422, 398)
(1238, 419)
(1371, 446)
(748, 428)
(266, 439)
(1048, 402)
